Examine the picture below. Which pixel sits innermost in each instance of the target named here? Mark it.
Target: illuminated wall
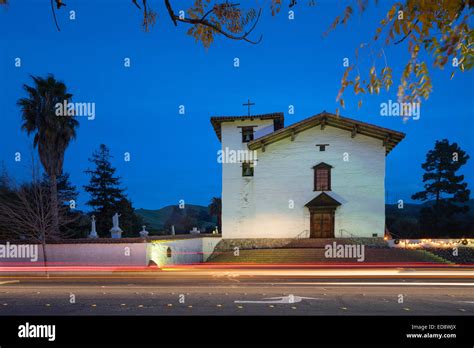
(260, 206)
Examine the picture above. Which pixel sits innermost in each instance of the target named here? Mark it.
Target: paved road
(207, 291)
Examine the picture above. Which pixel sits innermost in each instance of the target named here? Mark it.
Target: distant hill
(158, 221)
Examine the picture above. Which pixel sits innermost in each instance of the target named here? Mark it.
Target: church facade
(322, 177)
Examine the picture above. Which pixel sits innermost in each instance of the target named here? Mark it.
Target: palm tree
(52, 133)
(215, 209)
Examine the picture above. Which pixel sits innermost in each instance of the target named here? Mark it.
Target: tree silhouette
(52, 133)
(444, 187)
(107, 197)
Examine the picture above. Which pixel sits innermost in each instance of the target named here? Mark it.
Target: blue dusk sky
(174, 156)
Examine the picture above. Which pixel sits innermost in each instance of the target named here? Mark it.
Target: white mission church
(322, 177)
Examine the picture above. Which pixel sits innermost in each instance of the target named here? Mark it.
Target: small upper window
(322, 177)
(247, 169)
(247, 134)
(322, 147)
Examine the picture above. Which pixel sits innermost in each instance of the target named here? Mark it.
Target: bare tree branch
(206, 23)
(54, 14)
(27, 213)
(170, 12)
(136, 4)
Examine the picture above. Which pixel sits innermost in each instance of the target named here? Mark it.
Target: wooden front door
(322, 224)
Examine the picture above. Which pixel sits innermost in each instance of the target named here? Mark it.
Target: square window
(247, 134)
(247, 169)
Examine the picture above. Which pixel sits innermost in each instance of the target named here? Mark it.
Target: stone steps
(316, 255)
(317, 242)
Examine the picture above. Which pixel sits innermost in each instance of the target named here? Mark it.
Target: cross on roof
(248, 104)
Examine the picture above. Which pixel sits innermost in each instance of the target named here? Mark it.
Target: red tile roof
(389, 137)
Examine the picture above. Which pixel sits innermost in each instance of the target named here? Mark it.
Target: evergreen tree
(444, 187)
(107, 196)
(66, 190)
(130, 222)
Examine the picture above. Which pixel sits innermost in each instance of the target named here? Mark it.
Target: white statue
(195, 230)
(115, 220)
(93, 232)
(144, 232)
(116, 231)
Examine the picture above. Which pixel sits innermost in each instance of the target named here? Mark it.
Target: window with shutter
(247, 134)
(247, 169)
(322, 177)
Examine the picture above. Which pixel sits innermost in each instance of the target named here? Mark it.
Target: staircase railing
(342, 231)
(302, 234)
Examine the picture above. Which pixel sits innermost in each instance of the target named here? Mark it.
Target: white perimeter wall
(259, 207)
(184, 251)
(89, 254)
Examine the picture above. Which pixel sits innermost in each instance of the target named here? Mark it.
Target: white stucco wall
(238, 205)
(183, 251)
(87, 254)
(258, 207)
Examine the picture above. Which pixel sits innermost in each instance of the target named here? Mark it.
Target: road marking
(282, 299)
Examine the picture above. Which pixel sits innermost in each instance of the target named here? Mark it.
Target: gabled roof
(277, 117)
(322, 165)
(389, 137)
(322, 200)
